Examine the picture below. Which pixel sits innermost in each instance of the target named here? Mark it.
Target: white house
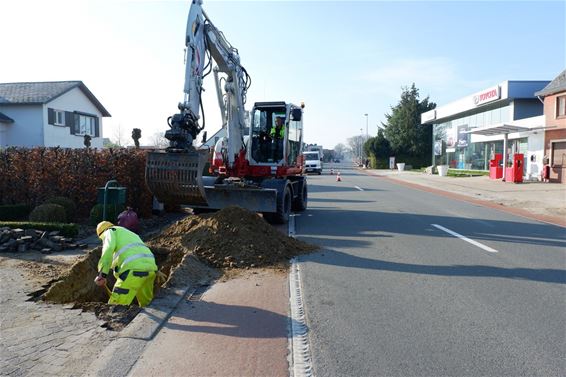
(49, 114)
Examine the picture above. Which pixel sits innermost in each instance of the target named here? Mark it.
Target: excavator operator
(277, 135)
(132, 261)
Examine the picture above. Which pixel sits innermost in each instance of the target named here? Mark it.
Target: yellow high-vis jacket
(124, 250)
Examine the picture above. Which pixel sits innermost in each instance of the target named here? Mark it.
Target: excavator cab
(275, 133)
(268, 134)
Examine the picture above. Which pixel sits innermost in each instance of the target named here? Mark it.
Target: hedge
(67, 230)
(34, 175)
(14, 212)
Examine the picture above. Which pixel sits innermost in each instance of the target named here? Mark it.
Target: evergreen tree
(410, 139)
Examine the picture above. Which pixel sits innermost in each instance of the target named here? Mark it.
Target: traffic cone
(338, 179)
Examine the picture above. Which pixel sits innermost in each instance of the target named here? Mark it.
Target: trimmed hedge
(14, 212)
(33, 175)
(48, 213)
(67, 230)
(68, 204)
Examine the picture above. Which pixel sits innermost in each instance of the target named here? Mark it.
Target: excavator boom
(252, 165)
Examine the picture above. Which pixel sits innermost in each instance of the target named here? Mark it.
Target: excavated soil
(187, 252)
(232, 238)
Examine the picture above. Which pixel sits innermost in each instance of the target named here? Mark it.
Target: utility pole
(361, 143)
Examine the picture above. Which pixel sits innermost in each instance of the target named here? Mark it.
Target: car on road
(312, 162)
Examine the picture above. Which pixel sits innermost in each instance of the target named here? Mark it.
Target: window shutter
(50, 116)
(75, 123)
(96, 127)
(69, 119)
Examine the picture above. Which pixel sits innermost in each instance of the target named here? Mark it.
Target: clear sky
(343, 59)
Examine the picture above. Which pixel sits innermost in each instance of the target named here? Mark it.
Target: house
(554, 95)
(49, 114)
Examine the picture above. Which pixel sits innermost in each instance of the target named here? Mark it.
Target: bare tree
(356, 146)
(158, 140)
(119, 137)
(339, 150)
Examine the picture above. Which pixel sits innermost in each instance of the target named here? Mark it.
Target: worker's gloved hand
(100, 281)
(160, 277)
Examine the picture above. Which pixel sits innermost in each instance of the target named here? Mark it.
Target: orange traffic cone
(338, 179)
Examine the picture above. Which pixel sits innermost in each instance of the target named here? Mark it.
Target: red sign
(489, 95)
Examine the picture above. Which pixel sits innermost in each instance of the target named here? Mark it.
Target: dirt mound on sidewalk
(231, 238)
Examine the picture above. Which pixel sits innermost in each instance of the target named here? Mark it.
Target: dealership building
(468, 132)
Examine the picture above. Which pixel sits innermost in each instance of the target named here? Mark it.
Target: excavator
(257, 165)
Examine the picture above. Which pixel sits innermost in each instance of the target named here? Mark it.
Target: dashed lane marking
(464, 238)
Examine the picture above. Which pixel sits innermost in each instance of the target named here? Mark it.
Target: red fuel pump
(495, 168)
(515, 172)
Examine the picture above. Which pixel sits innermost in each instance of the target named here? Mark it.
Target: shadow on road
(337, 258)
(321, 200)
(331, 225)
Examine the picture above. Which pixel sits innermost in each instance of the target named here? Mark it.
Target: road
(409, 283)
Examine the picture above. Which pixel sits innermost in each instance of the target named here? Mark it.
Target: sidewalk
(541, 201)
(238, 326)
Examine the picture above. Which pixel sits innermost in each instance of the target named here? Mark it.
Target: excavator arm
(175, 176)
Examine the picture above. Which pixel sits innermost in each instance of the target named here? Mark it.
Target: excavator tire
(300, 203)
(284, 200)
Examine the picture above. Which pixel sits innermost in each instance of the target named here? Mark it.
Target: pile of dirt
(231, 238)
(77, 283)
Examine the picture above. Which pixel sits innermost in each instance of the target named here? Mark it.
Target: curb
(122, 354)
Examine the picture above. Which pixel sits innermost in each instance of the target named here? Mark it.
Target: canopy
(498, 129)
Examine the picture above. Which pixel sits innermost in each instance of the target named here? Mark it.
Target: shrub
(68, 204)
(112, 212)
(48, 213)
(67, 230)
(13, 212)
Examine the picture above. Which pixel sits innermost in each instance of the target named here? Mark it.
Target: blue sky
(343, 59)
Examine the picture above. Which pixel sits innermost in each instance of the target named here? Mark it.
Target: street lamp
(367, 117)
(361, 142)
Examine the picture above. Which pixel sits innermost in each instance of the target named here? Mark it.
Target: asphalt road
(397, 291)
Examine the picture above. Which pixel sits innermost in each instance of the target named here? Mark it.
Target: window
(86, 125)
(561, 106)
(59, 117)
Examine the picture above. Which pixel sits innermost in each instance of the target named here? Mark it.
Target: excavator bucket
(176, 178)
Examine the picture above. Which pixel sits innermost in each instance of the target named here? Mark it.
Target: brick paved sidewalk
(39, 339)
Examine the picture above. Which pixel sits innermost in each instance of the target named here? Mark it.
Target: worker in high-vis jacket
(277, 134)
(132, 262)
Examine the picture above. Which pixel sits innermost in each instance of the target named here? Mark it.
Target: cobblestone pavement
(40, 339)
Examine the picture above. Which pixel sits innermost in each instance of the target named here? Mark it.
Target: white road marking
(475, 243)
(359, 188)
(291, 225)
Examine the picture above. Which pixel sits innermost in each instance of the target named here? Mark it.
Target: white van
(312, 162)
